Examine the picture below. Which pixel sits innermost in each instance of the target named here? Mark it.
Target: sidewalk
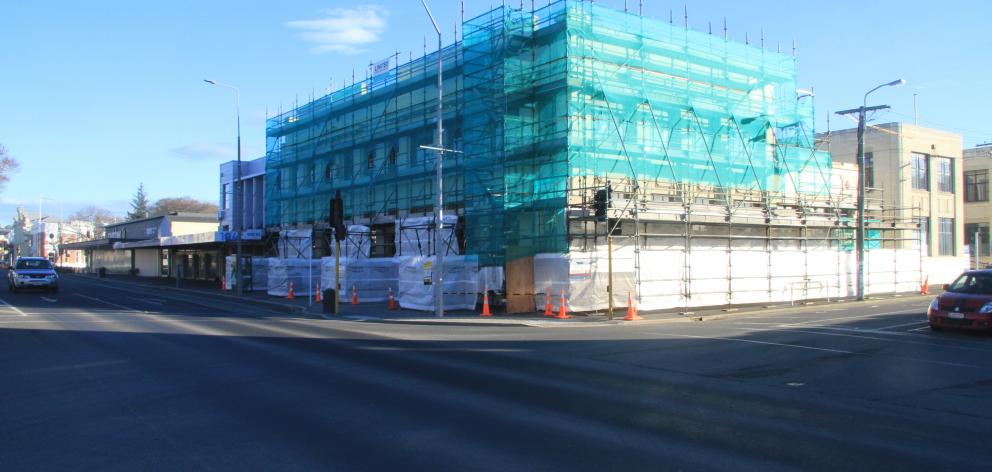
(379, 312)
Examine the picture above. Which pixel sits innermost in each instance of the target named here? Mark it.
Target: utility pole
(860, 228)
(438, 270)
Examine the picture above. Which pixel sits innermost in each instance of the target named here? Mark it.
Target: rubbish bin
(102, 272)
(328, 300)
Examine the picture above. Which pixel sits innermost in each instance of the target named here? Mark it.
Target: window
(225, 199)
(976, 186)
(371, 159)
(945, 174)
(945, 237)
(392, 156)
(869, 170)
(328, 173)
(383, 240)
(922, 234)
(921, 171)
(970, 230)
(313, 173)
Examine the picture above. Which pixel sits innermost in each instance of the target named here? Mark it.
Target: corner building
(718, 194)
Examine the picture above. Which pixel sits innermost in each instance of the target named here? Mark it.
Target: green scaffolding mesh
(535, 99)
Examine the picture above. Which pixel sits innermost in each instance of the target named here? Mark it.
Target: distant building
(253, 210)
(977, 208)
(158, 246)
(913, 174)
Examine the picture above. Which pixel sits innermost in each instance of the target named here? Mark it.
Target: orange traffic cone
(223, 283)
(485, 303)
(289, 294)
(925, 286)
(562, 314)
(354, 295)
(547, 303)
(392, 301)
(631, 310)
(317, 298)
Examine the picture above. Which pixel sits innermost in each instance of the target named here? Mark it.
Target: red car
(965, 304)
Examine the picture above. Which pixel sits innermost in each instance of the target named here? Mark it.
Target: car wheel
(934, 327)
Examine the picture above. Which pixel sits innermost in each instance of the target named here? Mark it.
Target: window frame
(945, 237)
(918, 173)
(976, 190)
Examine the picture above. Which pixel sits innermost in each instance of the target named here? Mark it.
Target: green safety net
(534, 100)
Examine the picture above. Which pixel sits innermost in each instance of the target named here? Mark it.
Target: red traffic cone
(547, 303)
(562, 311)
(925, 286)
(392, 301)
(485, 303)
(318, 298)
(631, 310)
(289, 293)
(354, 295)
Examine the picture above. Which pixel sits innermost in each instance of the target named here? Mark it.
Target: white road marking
(900, 325)
(153, 301)
(18, 310)
(870, 315)
(49, 300)
(769, 343)
(110, 303)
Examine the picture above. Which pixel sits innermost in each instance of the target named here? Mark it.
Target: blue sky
(98, 96)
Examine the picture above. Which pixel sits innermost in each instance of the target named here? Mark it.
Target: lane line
(870, 315)
(895, 338)
(18, 310)
(110, 303)
(900, 325)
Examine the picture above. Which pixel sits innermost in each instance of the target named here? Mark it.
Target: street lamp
(438, 271)
(238, 220)
(860, 231)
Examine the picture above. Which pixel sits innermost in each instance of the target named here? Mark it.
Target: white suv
(32, 272)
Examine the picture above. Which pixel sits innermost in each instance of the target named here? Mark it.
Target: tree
(139, 204)
(8, 165)
(183, 204)
(96, 215)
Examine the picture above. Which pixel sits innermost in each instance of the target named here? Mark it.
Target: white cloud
(343, 30)
(204, 151)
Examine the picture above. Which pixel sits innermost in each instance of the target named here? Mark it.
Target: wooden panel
(520, 285)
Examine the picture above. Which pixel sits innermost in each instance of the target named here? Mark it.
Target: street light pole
(439, 247)
(860, 228)
(238, 219)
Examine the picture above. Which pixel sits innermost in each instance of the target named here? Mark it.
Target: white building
(253, 209)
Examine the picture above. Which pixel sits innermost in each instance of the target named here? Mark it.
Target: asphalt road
(104, 376)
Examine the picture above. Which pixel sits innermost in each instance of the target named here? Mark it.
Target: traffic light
(337, 217)
(602, 201)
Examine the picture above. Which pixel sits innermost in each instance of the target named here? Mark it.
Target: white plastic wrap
(259, 273)
(357, 245)
(416, 236)
(303, 273)
(296, 244)
(372, 278)
(461, 282)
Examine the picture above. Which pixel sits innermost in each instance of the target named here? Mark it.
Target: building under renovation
(579, 128)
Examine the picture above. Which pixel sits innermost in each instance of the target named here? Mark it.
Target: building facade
(913, 173)
(977, 207)
(253, 197)
(577, 127)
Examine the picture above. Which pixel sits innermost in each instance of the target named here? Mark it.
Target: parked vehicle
(965, 304)
(32, 272)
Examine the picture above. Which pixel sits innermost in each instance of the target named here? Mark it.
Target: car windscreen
(33, 264)
(972, 283)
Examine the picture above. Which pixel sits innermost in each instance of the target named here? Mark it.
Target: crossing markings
(8, 305)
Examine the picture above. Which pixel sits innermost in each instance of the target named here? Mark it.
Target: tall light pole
(860, 229)
(238, 219)
(438, 270)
